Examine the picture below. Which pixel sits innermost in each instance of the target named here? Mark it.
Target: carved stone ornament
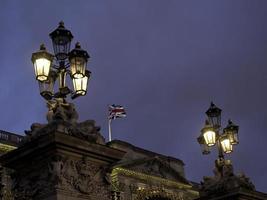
(155, 166)
(84, 177)
(224, 182)
(154, 193)
(63, 117)
(76, 177)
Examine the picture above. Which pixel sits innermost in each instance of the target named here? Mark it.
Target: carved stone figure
(62, 117)
(224, 180)
(83, 176)
(60, 110)
(75, 176)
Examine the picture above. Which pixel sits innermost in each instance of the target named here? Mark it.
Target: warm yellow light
(233, 138)
(141, 188)
(42, 68)
(78, 65)
(210, 137)
(226, 145)
(80, 85)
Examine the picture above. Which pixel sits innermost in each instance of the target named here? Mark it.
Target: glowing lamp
(208, 134)
(232, 131)
(78, 60)
(42, 62)
(61, 38)
(80, 85)
(214, 115)
(226, 145)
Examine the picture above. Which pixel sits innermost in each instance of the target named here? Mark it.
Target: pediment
(154, 166)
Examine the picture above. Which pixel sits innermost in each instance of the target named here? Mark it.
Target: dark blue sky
(164, 60)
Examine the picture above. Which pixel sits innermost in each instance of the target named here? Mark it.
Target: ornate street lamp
(47, 87)
(224, 180)
(226, 145)
(61, 39)
(65, 66)
(78, 60)
(42, 61)
(48, 68)
(211, 136)
(232, 131)
(214, 115)
(80, 84)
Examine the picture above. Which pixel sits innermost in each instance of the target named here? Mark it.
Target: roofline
(10, 138)
(9, 133)
(143, 150)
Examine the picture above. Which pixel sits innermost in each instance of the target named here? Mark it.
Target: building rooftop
(123, 145)
(9, 141)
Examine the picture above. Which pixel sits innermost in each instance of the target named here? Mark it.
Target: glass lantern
(47, 87)
(226, 145)
(232, 131)
(214, 115)
(80, 85)
(61, 39)
(209, 134)
(78, 60)
(42, 61)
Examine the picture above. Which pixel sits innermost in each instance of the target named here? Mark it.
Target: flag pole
(109, 129)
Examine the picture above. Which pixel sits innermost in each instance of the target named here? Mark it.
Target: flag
(116, 111)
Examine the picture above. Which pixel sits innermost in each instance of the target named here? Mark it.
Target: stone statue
(60, 110)
(63, 117)
(224, 180)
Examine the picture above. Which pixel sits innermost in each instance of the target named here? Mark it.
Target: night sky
(164, 60)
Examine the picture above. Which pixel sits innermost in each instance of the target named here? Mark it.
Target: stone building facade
(142, 174)
(61, 166)
(70, 160)
(9, 141)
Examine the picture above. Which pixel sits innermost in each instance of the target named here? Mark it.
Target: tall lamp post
(48, 67)
(64, 67)
(211, 135)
